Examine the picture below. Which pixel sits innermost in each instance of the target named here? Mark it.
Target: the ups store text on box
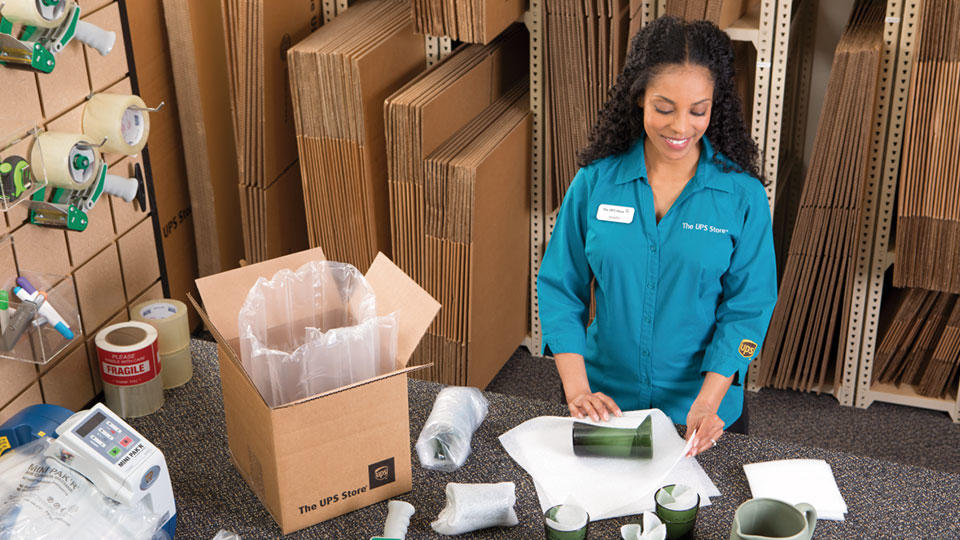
(332, 453)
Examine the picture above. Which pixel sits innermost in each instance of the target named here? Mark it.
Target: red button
(125, 441)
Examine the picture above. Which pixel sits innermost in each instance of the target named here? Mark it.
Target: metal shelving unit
(899, 41)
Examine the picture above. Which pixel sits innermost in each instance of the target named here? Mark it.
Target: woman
(668, 220)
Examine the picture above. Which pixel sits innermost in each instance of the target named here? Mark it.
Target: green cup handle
(810, 513)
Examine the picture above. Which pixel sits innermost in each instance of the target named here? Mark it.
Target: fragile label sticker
(129, 368)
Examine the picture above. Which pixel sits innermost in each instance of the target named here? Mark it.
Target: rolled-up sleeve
(749, 294)
(563, 283)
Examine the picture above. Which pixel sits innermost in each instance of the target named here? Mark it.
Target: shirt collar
(633, 167)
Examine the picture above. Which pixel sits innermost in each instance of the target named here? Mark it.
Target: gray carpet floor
(884, 431)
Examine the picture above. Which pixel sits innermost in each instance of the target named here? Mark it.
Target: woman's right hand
(581, 401)
(596, 405)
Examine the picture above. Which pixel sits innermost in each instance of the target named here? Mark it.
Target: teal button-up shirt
(675, 299)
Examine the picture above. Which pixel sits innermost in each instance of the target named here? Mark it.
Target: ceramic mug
(770, 519)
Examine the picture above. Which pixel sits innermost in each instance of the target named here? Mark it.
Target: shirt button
(646, 319)
(653, 249)
(645, 353)
(650, 286)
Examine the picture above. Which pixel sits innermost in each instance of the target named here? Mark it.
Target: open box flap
(223, 294)
(413, 307)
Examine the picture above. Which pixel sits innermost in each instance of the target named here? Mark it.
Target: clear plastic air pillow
(313, 330)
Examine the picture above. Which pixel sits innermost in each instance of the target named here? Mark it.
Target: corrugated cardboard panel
(67, 85)
(154, 75)
(41, 249)
(138, 259)
(69, 122)
(69, 383)
(371, 426)
(155, 292)
(98, 234)
(19, 102)
(98, 285)
(16, 376)
(249, 432)
(220, 292)
(29, 397)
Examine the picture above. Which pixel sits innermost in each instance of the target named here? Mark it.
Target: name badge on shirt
(614, 213)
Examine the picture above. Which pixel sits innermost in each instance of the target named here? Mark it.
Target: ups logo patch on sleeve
(747, 348)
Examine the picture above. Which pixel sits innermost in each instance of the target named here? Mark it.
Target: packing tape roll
(64, 160)
(169, 317)
(130, 368)
(120, 119)
(176, 367)
(33, 13)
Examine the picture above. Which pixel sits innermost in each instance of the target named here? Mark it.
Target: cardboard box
(332, 453)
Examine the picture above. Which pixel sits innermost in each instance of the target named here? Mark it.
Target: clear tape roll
(33, 13)
(176, 368)
(121, 119)
(130, 368)
(54, 157)
(169, 317)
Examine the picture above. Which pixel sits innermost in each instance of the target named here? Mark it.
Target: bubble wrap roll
(444, 442)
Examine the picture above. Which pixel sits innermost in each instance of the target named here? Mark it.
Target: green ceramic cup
(566, 522)
(679, 529)
(679, 521)
(670, 513)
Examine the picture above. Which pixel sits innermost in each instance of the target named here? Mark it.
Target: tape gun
(121, 462)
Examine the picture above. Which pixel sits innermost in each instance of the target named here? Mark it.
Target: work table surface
(885, 500)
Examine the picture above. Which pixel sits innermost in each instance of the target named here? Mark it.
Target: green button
(115, 451)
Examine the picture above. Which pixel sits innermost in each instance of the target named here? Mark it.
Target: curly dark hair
(671, 41)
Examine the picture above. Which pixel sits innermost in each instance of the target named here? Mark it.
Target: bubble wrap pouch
(42, 498)
(306, 332)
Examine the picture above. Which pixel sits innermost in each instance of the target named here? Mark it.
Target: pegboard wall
(114, 263)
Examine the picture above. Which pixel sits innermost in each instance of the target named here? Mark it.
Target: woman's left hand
(703, 420)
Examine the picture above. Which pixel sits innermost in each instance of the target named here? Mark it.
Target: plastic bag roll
(33, 13)
(121, 119)
(130, 368)
(444, 442)
(64, 160)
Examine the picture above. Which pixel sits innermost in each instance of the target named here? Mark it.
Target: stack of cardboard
(258, 34)
(476, 210)
(585, 47)
(339, 77)
(920, 346)
(942, 374)
(472, 21)
(720, 12)
(928, 214)
(815, 290)
(458, 155)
